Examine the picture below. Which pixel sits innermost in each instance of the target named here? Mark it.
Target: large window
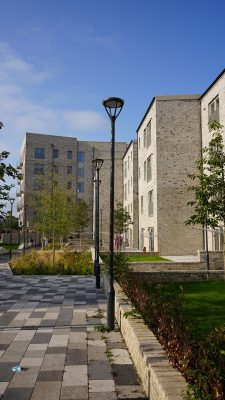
(69, 169)
(80, 164)
(150, 203)
(39, 169)
(149, 133)
(125, 169)
(80, 187)
(145, 170)
(213, 110)
(149, 168)
(39, 153)
(69, 155)
(142, 205)
(55, 153)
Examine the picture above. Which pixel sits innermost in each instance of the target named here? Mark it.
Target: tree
(81, 217)
(122, 220)
(209, 189)
(6, 171)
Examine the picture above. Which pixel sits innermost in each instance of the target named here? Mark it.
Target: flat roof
(169, 98)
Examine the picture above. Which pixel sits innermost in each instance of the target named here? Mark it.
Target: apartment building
(169, 143)
(71, 161)
(130, 192)
(213, 108)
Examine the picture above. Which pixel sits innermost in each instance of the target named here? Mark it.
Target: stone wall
(160, 380)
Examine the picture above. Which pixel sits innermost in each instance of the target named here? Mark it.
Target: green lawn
(143, 258)
(205, 304)
(7, 246)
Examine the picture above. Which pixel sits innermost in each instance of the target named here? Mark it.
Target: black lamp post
(97, 163)
(113, 107)
(11, 200)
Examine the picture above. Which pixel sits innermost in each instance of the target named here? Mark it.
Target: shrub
(162, 308)
(40, 263)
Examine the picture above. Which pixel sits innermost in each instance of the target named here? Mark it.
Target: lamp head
(97, 163)
(113, 106)
(1, 125)
(11, 200)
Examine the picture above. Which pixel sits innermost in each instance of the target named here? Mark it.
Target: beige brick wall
(178, 147)
(130, 181)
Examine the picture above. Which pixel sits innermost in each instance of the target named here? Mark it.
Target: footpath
(48, 331)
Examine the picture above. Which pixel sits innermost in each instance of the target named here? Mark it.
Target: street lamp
(1, 125)
(11, 200)
(97, 163)
(113, 107)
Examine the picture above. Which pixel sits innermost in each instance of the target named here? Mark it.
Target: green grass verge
(143, 258)
(7, 246)
(205, 305)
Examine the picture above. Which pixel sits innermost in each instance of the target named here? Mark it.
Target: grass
(205, 305)
(41, 263)
(7, 246)
(143, 258)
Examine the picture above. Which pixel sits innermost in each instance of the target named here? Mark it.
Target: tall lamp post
(97, 163)
(113, 107)
(11, 200)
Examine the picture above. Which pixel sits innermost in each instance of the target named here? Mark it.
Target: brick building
(71, 160)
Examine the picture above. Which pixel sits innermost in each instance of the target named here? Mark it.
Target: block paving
(48, 327)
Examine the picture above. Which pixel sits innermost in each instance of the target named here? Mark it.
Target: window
(149, 133)
(131, 181)
(39, 169)
(125, 169)
(131, 157)
(55, 153)
(69, 169)
(69, 155)
(80, 187)
(39, 153)
(144, 140)
(131, 208)
(150, 203)
(145, 170)
(69, 185)
(142, 205)
(80, 157)
(139, 143)
(80, 164)
(80, 172)
(151, 238)
(139, 172)
(213, 110)
(128, 187)
(128, 163)
(218, 238)
(126, 191)
(149, 168)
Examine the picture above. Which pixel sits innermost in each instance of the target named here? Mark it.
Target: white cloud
(84, 120)
(21, 112)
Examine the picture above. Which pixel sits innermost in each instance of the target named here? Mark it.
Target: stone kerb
(160, 380)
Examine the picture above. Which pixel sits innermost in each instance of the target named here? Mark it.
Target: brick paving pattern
(47, 326)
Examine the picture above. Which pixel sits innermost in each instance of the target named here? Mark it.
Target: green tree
(122, 220)
(209, 183)
(6, 171)
(81, 216)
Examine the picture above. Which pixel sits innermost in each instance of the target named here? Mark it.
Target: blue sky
(59, 59)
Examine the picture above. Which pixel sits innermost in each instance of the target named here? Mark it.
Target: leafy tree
(6, 171)
(122, 219)
(6, 220)
(209, 183)
(81, 217)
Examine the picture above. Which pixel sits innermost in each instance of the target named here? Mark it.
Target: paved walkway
(47, 326)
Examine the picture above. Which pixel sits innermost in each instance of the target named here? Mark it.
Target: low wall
(160, 380)
(215, 259)
(167, 266)
(180, 276)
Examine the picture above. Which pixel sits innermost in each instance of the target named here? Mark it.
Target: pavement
(48, 328)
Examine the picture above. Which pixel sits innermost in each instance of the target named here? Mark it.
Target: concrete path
(47, 326)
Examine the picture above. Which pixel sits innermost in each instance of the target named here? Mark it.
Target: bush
(41, 263)
(162, 308)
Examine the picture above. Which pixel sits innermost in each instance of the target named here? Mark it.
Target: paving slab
(47, 326)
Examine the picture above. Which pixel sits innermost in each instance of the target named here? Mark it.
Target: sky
(60, 58)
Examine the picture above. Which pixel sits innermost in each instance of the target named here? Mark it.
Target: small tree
(209, 189)
(81, 217)
(122, 220)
